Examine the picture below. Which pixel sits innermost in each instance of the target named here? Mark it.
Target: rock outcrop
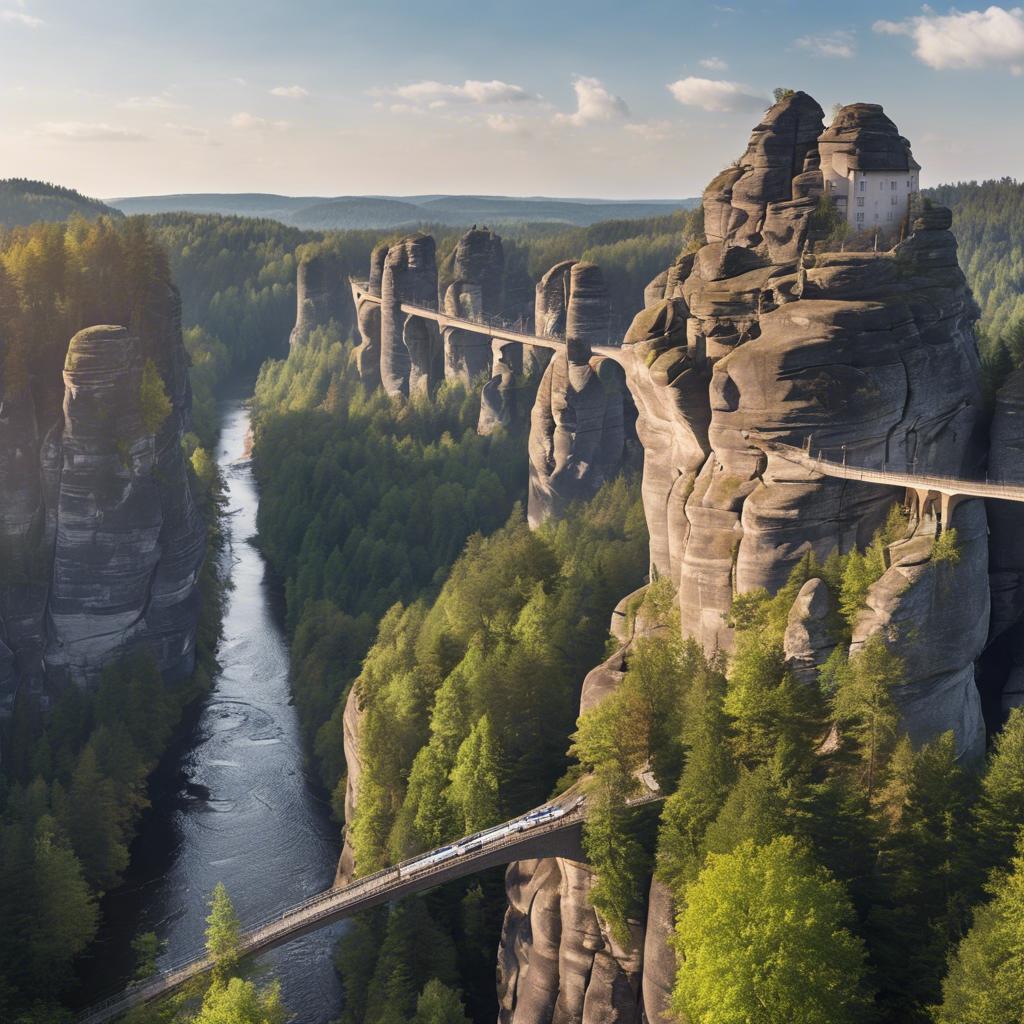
(1006, 528)
(764, 334)
(410, 346)
(576, 427)
(366, 354)
(322, 295)
(102, 541)
(473, 286)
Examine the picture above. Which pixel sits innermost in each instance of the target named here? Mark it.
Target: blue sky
(523, 97)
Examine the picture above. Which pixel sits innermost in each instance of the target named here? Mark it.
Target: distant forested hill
(346, 212)
(988, 221)
(25, 202)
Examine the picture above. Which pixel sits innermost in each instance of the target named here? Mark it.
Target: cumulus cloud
(290, 92)
(714, 64)
(835, 44)
(594, 103)
(88, 131)
(506, 124)
(21, 18)
(716, 95)
(249, 122)
(993, 37)
(439, 94)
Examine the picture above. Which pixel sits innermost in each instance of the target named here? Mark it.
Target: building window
(895, 200)
(862, 184)
(860, 217)
(860, 200)
(893, 184)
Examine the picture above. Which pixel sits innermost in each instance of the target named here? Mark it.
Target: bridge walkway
(555, 837)
(494, 328)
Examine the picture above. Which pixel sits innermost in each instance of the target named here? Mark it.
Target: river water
(236, 804)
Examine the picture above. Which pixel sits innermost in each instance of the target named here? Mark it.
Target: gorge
(439, 658)
(768, 333)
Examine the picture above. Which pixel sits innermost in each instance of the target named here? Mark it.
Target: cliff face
(322, 295)
(768, 332)
(411, 352)
(101, 538)
(577, 427)
(473, 289)
(753, 337)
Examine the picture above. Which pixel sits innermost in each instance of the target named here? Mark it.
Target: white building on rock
(868, 169)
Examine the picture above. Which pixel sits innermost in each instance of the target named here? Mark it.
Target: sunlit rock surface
(576, 427)
(411, 352)
(473, 287)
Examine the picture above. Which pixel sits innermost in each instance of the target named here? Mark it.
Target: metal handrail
(256, 936)
(494, 321)
(954, 485)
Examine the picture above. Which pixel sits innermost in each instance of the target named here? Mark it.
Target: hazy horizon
(322, 99)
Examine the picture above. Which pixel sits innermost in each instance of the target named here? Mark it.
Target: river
(233, 802)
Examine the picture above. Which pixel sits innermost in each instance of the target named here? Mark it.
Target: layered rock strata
(101, 537)
(577, 426)
(322, 295)
(473, 289)
(410, 346)
(366, 354)
(763, 334)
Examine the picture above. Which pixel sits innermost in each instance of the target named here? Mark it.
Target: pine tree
(223, 933)
(985, 984)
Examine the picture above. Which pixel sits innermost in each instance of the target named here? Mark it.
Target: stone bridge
(557, 833)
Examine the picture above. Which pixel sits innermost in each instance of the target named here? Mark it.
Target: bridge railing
(326, 904)
(987, 488)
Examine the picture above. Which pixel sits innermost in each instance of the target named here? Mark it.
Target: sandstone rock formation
(411, 353)
(473, 285)
(366, 354)
(322, 295)
(576, 429)
(102, 542)
(764, 334)
(1006, 547)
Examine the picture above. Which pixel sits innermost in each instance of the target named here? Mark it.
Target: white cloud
(714, 64)
(439, 94)
(88, 131)
(593, 103)
(161, 101)
(21, 18)
(249, 122)
(835, 44)
(653, 131)
(506, 124)
(290, 92)
(716, 95)
(993, 37)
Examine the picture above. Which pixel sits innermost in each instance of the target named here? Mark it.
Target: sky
(602, 98)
